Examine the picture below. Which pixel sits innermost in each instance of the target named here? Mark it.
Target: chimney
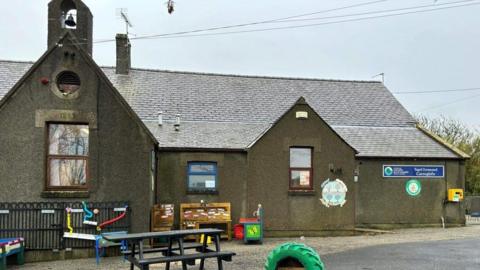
(160, 118)
(123, 54)
(177, 122)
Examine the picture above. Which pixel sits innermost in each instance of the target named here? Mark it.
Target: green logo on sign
(388, 171)
(413, 187)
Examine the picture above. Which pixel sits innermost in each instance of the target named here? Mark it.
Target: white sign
(334, 193)
(301, 115)
(210, 184)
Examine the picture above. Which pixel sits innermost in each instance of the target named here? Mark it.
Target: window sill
(191, 192)
(65, 194)
(299, 192)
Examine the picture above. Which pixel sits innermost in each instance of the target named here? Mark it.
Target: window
(67, 156)
(301, 168)
(68, 82)
(202, 177)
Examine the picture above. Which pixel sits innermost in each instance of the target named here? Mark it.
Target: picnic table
(172, 253)
(11, 246)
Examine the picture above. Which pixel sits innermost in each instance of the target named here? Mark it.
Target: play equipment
(88, 215)
(206, 215)
(100, 242)
(113, 220)
(253, 227)
(70, 233)
(9, 247)
(92, 237)
(292, 256)
(238, 231)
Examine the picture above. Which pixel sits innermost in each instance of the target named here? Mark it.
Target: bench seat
(164, 249)
(189, 258)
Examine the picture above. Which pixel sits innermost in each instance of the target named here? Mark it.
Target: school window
(67, 160)
(301, 168)
(202, 177)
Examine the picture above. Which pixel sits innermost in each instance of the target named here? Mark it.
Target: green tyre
(304, 254)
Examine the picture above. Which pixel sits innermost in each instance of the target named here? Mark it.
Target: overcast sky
(438, 50)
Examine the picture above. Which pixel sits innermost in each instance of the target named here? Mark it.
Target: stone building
(321, 156)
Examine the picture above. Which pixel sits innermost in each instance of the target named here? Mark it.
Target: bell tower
(70, 15)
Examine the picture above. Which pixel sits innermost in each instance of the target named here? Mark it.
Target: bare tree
(462, 137)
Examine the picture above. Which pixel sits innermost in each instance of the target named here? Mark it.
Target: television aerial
(122, 15)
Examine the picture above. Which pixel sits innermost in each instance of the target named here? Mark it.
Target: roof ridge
(249, 76)
(17, 61)
(223, 74)
(364, 126)
(210, 121)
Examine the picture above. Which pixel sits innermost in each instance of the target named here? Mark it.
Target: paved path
(252, 257)
(461, 254)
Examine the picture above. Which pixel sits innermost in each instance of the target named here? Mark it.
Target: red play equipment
(113, 220)
(238, 231)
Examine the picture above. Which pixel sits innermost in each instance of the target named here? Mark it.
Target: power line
(373, 12)
(438, 91)
(305, 25)
(190, 33)
(255, 23)
(448, 103)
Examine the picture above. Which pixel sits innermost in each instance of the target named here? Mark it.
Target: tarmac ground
(426, 248)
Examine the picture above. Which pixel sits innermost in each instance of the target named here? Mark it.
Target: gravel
(252, 257)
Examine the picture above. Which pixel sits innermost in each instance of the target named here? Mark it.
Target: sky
(425, 51)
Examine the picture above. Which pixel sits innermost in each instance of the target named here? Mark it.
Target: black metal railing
(43, 224)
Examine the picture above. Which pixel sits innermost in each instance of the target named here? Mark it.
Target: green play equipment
(294, 255)
(253, 227)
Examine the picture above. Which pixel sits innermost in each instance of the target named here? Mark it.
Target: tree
(464, 138)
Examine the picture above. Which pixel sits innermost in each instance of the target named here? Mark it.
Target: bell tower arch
(70, 15)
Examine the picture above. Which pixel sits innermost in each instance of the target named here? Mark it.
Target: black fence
(43, 224)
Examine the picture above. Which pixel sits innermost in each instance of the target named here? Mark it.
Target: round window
(68, 82)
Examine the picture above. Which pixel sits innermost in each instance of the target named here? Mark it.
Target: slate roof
(207, 135)
(392, 142)
(231, 111)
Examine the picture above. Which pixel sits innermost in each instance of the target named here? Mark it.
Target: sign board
(413, 187)
(48, 211)
(417, 171)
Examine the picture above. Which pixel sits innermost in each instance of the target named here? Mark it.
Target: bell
(70, 21)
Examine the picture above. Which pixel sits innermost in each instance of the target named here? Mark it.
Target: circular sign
(334, 193)
(413, 187)
(388, 171)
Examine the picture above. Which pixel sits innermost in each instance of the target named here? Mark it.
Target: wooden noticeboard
(162, 216)
(211, 215)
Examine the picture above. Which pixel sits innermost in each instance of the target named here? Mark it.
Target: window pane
(69, 140)
(68, 172)
(201, 182)
(300, 157)
(202, 168)
(300, 179)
